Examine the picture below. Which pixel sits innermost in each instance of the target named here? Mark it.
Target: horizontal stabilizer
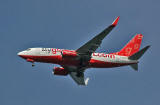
(135, 66)
(138, 54)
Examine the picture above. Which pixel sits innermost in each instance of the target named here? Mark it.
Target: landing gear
(33, 64)
(30, 60)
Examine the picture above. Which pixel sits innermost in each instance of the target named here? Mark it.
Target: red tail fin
(132, 46)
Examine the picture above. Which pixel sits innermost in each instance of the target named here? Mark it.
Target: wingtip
(86, 81)
(115, 21)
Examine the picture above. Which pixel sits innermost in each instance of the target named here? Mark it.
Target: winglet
(86, 81)
(115, 21)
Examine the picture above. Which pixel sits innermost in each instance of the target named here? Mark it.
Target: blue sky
(69, 24)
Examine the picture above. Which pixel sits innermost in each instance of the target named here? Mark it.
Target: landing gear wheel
(33, 64)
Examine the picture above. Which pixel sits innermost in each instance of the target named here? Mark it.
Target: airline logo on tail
(132, 46)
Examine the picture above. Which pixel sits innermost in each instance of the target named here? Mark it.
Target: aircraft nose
(19, 54)
(22, 54)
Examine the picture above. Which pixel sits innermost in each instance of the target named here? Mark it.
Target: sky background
(69, 24)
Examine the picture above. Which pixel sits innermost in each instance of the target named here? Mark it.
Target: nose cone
(19, 54)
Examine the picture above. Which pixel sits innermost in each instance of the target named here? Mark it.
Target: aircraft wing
(77, 74)
(94, 43)
(79, 79)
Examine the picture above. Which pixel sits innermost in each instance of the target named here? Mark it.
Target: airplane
(75, 62)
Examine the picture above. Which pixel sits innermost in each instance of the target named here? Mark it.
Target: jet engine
(60, 71)
(69, 53)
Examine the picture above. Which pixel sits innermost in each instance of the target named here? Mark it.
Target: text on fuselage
(55, 50)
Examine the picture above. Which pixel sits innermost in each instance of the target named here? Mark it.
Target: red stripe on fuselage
(52, 59)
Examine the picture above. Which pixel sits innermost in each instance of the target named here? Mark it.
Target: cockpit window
(28, 49)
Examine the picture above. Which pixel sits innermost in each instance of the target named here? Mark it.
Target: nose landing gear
(33, 64)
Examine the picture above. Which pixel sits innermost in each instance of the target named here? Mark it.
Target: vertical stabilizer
(132, 46)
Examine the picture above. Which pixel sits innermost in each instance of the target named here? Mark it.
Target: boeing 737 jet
(75, 62)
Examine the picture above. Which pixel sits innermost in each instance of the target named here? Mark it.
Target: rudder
(132, 46)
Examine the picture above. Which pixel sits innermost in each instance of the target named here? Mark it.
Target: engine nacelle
(60, 71)
(69, 53)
